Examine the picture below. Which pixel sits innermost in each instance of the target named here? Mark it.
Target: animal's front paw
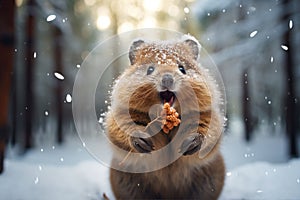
(142, 142)
(191, 144)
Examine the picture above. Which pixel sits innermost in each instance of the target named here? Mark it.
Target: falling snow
(101, 120)
(284, 47)
(186, 10)
(51, 18)
(252, 34)
(68, 98)
(290, 24)
(95, 176)
(59, 76)
(266, 173)
(36, 180)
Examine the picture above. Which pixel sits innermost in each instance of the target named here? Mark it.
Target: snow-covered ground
(258, 170)
(65, 172)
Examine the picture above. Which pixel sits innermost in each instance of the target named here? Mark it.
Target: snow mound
(68, 172)
(89, 180)
(263, 180)
(86, 180)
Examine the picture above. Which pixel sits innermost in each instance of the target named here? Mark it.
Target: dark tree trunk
(7, 11)
(59, 89)
(291, 117)
(14, 109)
(246, 105)
(29, 97)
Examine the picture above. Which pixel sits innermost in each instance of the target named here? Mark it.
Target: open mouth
(167, 97)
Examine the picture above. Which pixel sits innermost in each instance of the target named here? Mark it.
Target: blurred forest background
(254, 43)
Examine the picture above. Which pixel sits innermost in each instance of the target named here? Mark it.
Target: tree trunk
(246, 105)
(291, 117)
(14, 105)
(59, 90)
(29, 97)
(7, 9)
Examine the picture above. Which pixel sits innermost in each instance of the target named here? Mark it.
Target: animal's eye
(181, 68)
(150, 70)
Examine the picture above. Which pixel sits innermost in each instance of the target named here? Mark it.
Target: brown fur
(189, 177)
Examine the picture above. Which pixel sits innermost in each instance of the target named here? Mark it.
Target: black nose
(167, 81)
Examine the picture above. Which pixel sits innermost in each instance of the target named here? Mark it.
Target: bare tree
(289, 68)
(7, 12)
(29, 98)
(246, 105)
(59, 90)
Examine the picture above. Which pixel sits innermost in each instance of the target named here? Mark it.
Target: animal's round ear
(134, 48)
(193, 46)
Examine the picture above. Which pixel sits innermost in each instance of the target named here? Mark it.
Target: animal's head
(165, 71)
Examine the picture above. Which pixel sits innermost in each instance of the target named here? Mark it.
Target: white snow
(51, 18)
(291, 24)
(256, 170)
(253, 33)
(186, 10)
(59, 76)
(68, 98)
(259, 169)
(66, 173)
(262, 180)
(284, 47)
(81, 181)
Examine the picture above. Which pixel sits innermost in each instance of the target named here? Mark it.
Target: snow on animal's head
(187, 43)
